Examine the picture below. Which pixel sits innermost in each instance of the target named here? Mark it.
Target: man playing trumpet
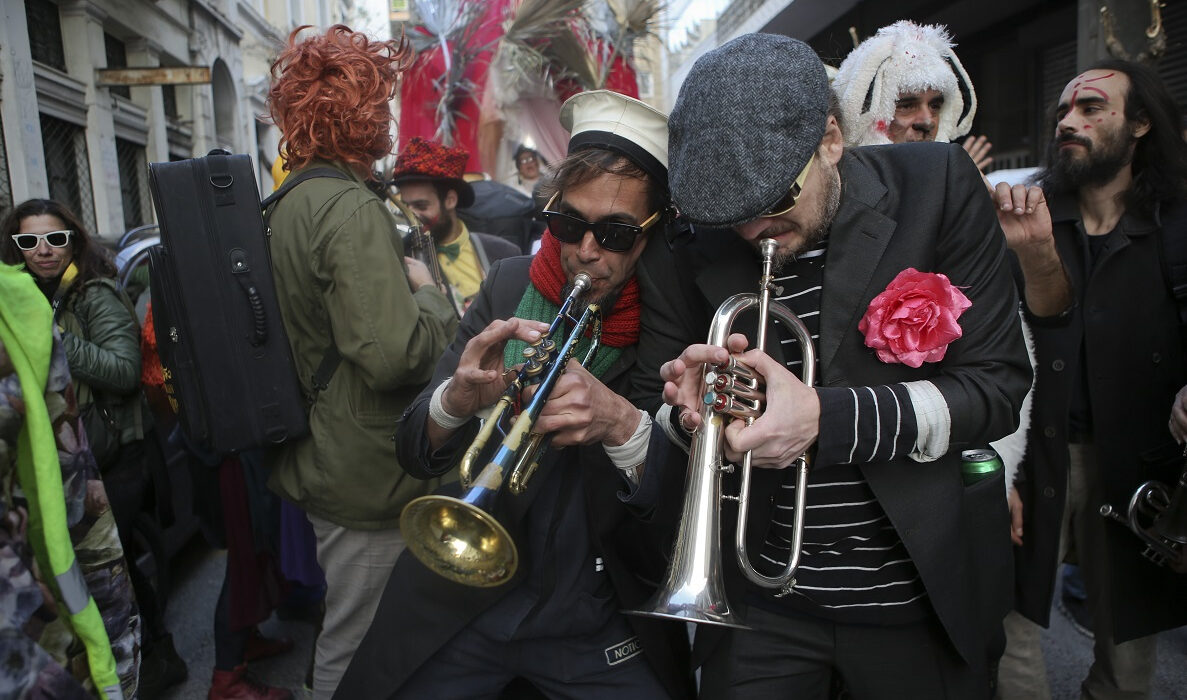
(893, 259)
(582, 553)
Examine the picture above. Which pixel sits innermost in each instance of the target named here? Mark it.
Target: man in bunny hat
(904, 84)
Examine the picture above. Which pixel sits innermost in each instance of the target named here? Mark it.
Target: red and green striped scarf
(542, 299)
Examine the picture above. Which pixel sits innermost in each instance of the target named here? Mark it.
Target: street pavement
(198, 575)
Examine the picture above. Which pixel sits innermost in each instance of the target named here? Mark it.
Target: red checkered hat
(423, 160)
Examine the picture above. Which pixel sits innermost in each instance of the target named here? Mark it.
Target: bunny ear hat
(902, 58)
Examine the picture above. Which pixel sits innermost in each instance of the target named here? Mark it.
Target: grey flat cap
(749, 116)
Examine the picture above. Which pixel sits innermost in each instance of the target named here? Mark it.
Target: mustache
(1072, 138)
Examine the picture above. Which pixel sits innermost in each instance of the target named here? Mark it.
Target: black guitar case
(226, 359)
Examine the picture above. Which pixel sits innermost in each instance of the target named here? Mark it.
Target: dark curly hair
(330, 97)
(1160, 156)
(589, 164)
(92, 260)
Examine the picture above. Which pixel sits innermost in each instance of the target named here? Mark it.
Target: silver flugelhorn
(694, 590)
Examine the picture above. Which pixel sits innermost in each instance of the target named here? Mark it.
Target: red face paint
(1093, 80)
(1095, 89)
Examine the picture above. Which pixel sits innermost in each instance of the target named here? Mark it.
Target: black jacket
(420, 611)
(920, 206)
(1125, 317)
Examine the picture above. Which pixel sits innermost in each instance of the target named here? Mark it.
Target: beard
(442, 228)
(821, 221)
(1098, 165)
(606, 302)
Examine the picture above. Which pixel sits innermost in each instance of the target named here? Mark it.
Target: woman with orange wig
(354, 305)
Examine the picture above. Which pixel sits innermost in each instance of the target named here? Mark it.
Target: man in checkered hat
(893, 260)
(429, 177)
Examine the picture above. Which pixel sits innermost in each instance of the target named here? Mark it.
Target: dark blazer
(921, 206)
(492, 249)
(1127, 320)
(420, 611)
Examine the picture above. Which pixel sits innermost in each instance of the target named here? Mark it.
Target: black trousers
(794, 657)
(475, 666)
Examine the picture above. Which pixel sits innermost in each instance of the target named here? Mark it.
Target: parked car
(162, 530)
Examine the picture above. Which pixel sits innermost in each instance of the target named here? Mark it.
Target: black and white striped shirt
(854, 567)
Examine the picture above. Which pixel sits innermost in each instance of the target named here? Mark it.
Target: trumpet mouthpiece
(768, 246)
(581, 282)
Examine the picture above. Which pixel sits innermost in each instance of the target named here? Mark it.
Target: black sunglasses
(614, 236)
(55, 239)
(788, 201)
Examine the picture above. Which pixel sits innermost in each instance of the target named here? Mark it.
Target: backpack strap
(1173, 236)
(332, 358)
(294, 180)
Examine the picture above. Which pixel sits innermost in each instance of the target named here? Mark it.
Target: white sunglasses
(54, 239)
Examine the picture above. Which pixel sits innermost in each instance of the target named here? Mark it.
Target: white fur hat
(903, 57)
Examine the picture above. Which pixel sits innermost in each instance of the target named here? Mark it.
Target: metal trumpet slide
(1158, 516)
(694, 590)
(460, 538)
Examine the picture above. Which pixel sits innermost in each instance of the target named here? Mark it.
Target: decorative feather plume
(615, 27)
(453, 26)
(525, 63)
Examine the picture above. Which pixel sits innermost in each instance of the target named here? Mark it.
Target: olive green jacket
(101, 337)
(340, 278)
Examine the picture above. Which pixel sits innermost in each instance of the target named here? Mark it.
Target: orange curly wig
(330, 97)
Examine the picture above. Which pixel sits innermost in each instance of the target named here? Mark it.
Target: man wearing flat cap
(584, 550)
(429, 177)
(893, 258)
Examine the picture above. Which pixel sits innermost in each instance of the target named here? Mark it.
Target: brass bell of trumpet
(694, 589)
(460, 538)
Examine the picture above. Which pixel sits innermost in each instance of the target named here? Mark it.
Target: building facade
(66, 135)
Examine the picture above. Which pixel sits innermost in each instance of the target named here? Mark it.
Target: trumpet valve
(735, 367)
(535, 360)
(725, 404)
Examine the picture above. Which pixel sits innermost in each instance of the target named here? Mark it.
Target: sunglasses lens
(57, 239)
(566, 229)
(617, 238)
(785, 204)
(25, 241)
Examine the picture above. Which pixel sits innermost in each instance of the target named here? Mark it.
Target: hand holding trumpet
(790, 421)
(788, 424)
(480, 377)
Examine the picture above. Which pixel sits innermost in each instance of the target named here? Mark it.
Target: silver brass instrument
(1159, 518)
(460, 538)
(694, 590)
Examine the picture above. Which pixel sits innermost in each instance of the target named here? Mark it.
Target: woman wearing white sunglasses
(101, 339)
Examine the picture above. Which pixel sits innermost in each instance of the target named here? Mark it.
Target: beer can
(979, 464)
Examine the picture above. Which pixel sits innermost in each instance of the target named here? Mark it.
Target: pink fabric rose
(913, 321)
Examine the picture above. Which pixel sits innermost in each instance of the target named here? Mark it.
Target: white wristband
(438, 413)
(633, 452)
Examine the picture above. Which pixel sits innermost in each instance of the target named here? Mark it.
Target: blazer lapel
(731, 266)
(858, 238)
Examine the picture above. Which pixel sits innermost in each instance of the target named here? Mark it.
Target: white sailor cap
(607, 119)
